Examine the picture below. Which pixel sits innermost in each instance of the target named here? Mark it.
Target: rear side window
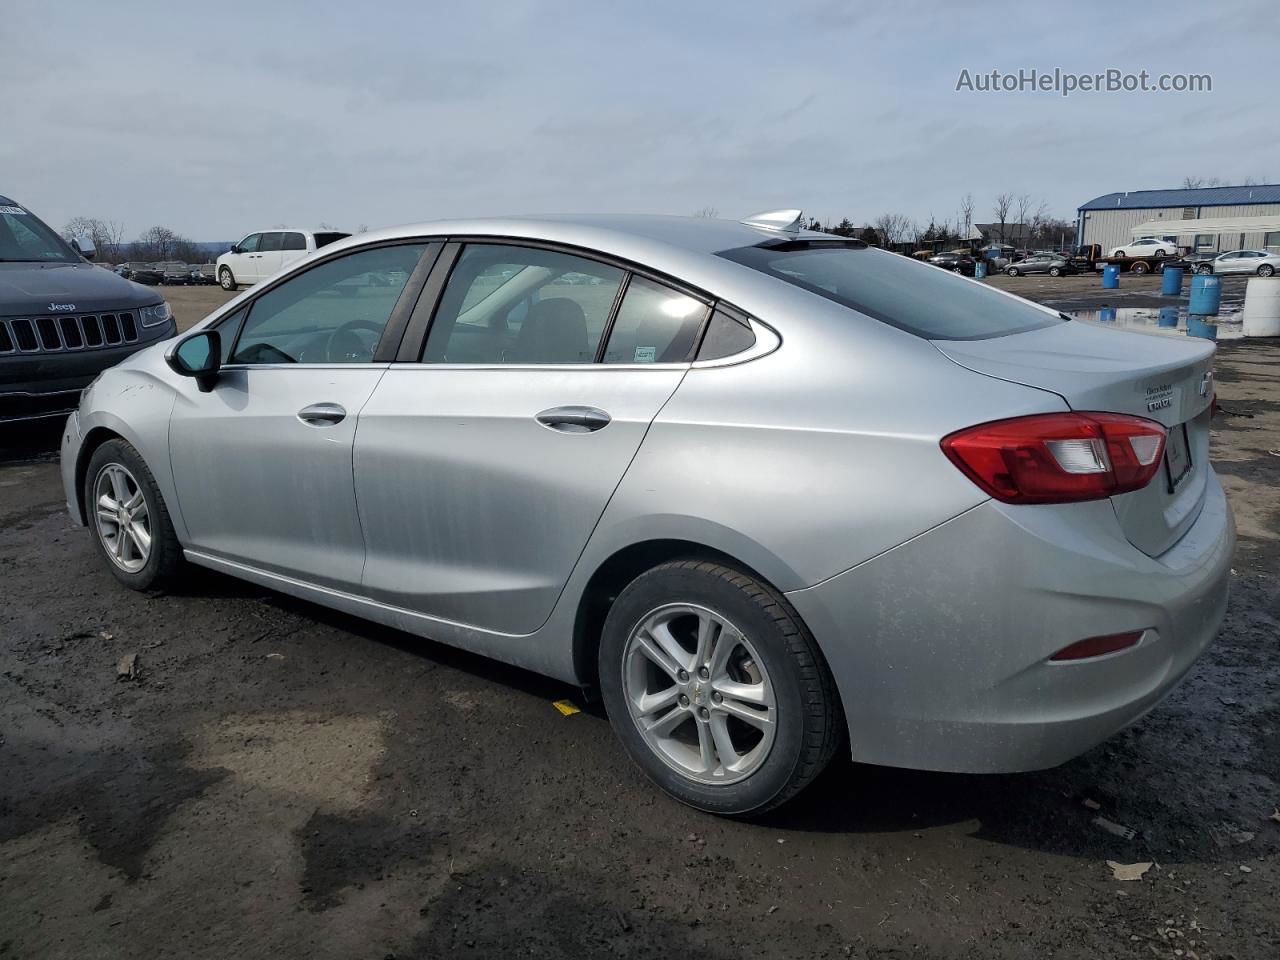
(726, 335)
(294, 241)
(915, 297)
(324, 239)
(655, 324)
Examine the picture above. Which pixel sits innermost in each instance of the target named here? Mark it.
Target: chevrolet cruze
(767, 491)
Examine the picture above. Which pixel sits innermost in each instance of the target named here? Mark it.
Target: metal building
(1204, 219)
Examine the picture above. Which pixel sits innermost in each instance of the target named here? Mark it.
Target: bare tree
(1004, 203)
(1195, 183)
(709, 212)
(107, 235)
(892, 228)
(161, 243)
(965, 219)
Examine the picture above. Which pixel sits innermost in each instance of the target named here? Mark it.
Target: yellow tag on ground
(566, 707)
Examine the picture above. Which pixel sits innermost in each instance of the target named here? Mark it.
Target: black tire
(1141, 267)
(1055, 271)
(226, 279)
(165, 563)
(1205, 269)
(1013, 271)
(810, 722)
(1117, 253)
(1266, 270)
(1159, 255)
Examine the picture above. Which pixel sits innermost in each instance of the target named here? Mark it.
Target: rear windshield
(915, 297)
(323, 239)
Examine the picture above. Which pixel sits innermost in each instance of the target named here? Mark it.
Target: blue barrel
(1171, 282)
(1111, 276)
(1168, 317)
(1196, 327)
(1206, 295)
(1107, 315)
(980, 269)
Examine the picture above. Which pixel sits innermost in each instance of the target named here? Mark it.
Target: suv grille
(57, 334)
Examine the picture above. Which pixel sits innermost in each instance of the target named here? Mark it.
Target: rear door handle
(574, 419)
(322, 414)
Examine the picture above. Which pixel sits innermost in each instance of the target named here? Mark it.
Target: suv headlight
(155, 315)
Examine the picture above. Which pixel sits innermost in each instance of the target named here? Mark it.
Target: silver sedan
(764, 491)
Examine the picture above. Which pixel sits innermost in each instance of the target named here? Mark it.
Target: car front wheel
(716, 688)
(226, 280)
(1012, 271)
(1055, 271)
(128, 518)
(1204, 269)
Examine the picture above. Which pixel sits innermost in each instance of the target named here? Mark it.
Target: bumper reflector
(1097, 646)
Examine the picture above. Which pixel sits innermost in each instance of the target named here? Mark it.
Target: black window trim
(384, 352)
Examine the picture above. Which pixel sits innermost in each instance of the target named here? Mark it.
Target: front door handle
(574, 419)
(322, 414)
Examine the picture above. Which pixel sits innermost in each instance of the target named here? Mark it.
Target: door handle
(322, 414)
(574, 419)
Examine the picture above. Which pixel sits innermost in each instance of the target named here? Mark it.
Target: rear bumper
(940, 647)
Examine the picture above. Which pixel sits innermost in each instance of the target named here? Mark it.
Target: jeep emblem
(61, 306)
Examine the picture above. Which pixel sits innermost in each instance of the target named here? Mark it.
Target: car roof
(6, 202)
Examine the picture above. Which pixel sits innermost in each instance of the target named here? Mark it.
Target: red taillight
(1059, 457)
(1097, 646)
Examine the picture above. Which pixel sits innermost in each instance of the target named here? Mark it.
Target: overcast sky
(217, 119)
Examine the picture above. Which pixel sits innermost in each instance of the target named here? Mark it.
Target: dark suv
(62, 320)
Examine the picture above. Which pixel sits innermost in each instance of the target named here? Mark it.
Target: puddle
(1164, 321)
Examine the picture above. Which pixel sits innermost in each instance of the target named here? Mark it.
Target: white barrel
(1262, 307)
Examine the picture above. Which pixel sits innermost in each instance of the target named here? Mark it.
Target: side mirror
(84, 246)
(235, 248)
(198, 355)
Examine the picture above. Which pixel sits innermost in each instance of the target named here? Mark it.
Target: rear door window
(655, 324)
(893, 289)
(294, 241)
(270, 242)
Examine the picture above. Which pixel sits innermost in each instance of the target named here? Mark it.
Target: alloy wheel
(699, 694)
(122, 519)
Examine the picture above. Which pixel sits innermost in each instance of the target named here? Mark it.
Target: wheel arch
(95, 438)
(612, 576)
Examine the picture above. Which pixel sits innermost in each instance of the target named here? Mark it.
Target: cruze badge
(1206, 384)
(61, 306)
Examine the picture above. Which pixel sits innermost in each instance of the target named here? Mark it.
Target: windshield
(904, 293)
(24, 238)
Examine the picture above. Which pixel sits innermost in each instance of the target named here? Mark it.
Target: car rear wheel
(1159, 254)
(1140, 268)
(1266, 270)
(226, 280)
(128, 518)
(1204, 269)
(716, 688)
(1055, 271)
(1013, 271)
(1117, 253)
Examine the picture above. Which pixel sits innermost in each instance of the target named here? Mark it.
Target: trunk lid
(1097, 369)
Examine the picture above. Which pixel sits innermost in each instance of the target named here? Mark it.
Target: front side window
(655, 324)
(509, 304)
(250, 243)
(270, 242)
(901, 292)
(332, 313)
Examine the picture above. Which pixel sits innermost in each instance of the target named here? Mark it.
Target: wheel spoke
(650, 703)
(117, 545)
(645, 645)
(106, 503)
(135, 501)
(760, 719)
(107, 515)
(662, 636)
(726, 643)
(663, 726)
(706, 747)
(727, 752)
(708, 630)
(119, 485)
(748, 692)
(141, 539)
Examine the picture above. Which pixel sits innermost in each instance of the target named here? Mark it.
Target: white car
(261, 254)
(1257, 262)
(1151, 247)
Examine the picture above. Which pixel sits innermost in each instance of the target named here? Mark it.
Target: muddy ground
(282, 781)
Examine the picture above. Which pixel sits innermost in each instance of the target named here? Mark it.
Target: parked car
(62, 319)
(201, 276)
(261, 254)
(1148, 248)
(1258, 262)
(175, 274)
(955, 262)
(643, 486)
(148, 274)
(1049, 263)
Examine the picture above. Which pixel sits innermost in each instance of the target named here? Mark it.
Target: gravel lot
(280, 780)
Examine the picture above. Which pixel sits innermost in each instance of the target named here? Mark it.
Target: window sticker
(646, 354)
(17, 211)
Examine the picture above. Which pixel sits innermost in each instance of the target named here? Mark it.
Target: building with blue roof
(1203, 219)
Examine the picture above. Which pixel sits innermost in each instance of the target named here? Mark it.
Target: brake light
(1059, 457)
(1098, 646)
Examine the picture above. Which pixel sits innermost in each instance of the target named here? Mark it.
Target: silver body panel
(440, 506)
